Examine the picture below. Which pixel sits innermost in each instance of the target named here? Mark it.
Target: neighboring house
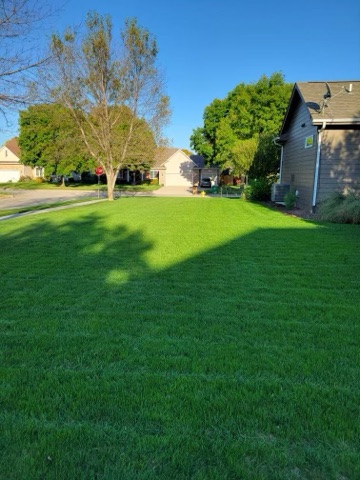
(320, 140)
(174, 168)
(10, 167)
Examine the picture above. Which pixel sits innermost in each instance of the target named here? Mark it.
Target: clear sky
(207, 47)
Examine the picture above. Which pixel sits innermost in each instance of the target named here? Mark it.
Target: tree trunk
(111, 178)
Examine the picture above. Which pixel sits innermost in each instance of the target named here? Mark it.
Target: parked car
(205, 182)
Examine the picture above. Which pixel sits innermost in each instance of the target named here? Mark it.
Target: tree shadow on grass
(235, 363)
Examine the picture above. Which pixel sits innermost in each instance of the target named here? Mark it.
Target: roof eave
(337, 121)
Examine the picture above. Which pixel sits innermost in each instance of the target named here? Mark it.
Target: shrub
(261, 188)
(25, 178)
(340, 208)
(290, 200)
(247, 192)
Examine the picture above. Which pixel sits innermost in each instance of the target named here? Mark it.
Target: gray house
(320, 141)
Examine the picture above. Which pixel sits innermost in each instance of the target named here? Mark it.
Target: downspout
(317, 166)
(275, 140)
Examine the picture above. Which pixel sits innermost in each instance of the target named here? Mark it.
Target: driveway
(173, 192)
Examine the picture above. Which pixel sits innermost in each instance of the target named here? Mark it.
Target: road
(27, 198)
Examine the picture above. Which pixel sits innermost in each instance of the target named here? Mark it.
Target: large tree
(237, 129)
(111, 92)
(20, 55)
(49, 137)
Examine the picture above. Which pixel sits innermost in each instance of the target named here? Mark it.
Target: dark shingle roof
(198, 160)
(337, 101)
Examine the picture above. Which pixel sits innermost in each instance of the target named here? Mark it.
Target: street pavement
(27, 198)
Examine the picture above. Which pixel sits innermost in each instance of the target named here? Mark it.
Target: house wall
(162, 177)
(298, 167)
(10, 167)
(179, 170)
(340, 162)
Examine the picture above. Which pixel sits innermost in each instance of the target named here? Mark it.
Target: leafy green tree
(200, 144)
(204, 140)
(243, 153)
(245, 119)
(266, 158)
(110, 92)
(48, 137)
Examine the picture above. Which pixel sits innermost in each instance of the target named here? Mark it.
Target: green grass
(167, 338)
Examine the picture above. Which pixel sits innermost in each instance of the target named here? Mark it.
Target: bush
(247, 192)
(340, 208)
(25, 178)
(260, 189)
(290, 200)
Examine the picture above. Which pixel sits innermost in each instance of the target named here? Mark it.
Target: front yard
(184, 338)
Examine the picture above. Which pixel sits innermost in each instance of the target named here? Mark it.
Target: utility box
(278, 192)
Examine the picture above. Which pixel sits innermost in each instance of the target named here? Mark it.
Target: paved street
(26, 198)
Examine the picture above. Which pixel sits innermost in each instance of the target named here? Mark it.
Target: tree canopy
(114, 94)
(237, 129)
(49, 138)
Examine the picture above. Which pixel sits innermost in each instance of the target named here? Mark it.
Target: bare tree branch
(21, 27)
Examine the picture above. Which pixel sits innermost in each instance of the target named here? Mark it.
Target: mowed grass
(164, 338)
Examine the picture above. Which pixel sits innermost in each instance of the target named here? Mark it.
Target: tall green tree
(48, 137)
(237, 129)
(110, 91)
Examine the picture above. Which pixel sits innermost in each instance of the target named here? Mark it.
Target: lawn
(168, 338)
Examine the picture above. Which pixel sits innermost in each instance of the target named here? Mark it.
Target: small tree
(115, 95)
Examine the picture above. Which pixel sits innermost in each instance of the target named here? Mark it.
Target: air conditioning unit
(278, 192)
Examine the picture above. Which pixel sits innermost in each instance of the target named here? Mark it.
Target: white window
(154, 174)
(39, 172)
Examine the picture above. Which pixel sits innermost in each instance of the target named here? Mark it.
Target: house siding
(340, 162)
(298, 166)
(10, 167)
(179, 170)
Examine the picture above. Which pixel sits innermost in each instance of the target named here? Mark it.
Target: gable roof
(163, 154)
(336, 102)
(13, 146)
(198, 160)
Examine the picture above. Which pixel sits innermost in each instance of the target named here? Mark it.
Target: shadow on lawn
(231, 364)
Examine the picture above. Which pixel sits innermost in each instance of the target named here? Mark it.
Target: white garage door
(9, 176)
(178, 180)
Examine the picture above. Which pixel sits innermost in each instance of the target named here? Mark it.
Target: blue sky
(207, 47)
